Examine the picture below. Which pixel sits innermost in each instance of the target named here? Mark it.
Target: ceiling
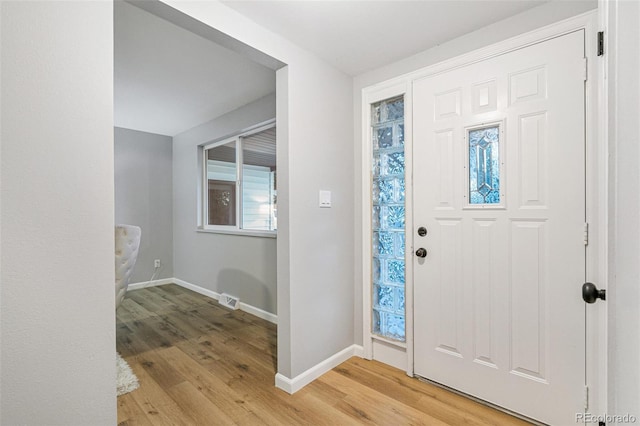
(358, 36)
(168, 80)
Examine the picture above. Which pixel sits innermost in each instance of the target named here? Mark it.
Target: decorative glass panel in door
(387, 127)
(484, 164)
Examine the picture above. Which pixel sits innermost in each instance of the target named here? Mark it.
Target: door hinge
(584, 69)
(585, 234)
(600, 43)
(586, 398)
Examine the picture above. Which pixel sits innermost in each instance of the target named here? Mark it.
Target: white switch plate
(325, 199)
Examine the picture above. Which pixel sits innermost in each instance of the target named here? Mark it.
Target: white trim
(391, 354)
(597, 178)
(365, 214)
(241, 232)
(597, 101)
(201, 290)
(145, 284)
(260, 127)
(358, 351)
(396, 343)
(250, 309)
(537, 36)
(409, 227)
(259, 313)
(292, 386)
(221, 142)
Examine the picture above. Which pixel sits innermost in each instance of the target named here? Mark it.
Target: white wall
(501, 30)
(315, 265)
(623, 293)
(242, 266)
(144, 197)
(57, 275)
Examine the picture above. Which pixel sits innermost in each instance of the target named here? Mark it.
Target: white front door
(499, 185)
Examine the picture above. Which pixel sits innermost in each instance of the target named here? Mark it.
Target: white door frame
(400, 355)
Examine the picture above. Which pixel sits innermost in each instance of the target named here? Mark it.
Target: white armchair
(127, 238)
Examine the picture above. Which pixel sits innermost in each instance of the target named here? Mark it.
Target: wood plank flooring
(201, 364)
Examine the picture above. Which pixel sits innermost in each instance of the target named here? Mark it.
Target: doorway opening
(181, 87)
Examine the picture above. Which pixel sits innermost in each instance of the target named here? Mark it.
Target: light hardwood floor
(201, 364)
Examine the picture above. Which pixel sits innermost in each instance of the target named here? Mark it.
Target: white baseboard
(358, 351)
(201, 290)
(294, 385)
(144, 284)
(214, 295)
(259, 313)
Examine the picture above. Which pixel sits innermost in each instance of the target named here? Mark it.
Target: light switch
(325, 199)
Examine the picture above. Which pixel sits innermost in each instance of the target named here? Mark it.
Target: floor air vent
(229, 301)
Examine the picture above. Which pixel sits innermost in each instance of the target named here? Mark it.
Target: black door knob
(590, 293)
(421, 252)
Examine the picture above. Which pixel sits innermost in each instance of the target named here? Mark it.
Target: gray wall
(242, 266)
(143, 197)
(623, 294)
(57, 307)
(320, 157)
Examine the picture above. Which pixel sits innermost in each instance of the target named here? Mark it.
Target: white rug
(126, 381)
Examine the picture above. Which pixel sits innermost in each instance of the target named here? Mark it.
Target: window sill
(241, 232)
(393, 342)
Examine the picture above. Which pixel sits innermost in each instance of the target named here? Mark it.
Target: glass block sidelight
(484, 165)
(376, 222)
(395, 109)
(395, 271)
(400, 300)
(395, 217)
(383, 191)
(384, 296)
(393, 325)
(376, 270)
(383, 243)
(400, 191)
(376, 166)
(400, 243)
(388, 218)
(395, 163)
(383, 137)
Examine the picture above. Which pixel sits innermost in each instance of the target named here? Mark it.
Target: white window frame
(204, 198)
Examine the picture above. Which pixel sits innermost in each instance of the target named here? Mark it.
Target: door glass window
(388, 168)
(484, 165)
